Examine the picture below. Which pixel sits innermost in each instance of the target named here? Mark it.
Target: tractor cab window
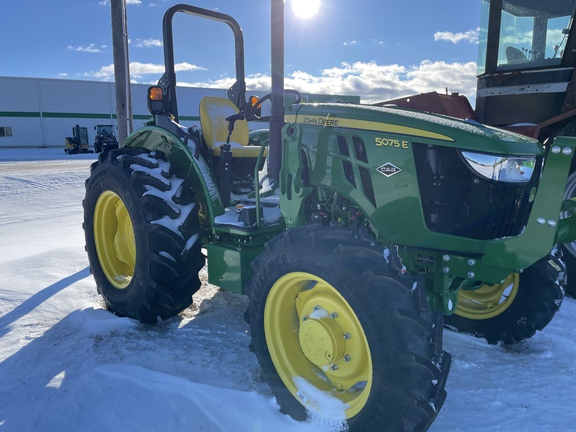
(524, 33)
(106, 131)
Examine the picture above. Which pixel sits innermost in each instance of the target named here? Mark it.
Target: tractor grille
(346, 164)
(456, 201)
(367, 185)
(359, 149)
(360, 155)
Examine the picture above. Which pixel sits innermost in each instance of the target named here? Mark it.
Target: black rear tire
(570, 262)
(307, 274)
(569, 250)
(142, 235)
(527, 307)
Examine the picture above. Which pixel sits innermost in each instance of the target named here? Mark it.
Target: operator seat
(514, 55)
(213, 114)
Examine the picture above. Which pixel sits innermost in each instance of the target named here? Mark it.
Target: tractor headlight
(509, 169)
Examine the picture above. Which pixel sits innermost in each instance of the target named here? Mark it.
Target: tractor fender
(186, 166)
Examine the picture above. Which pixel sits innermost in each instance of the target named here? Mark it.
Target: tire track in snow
(30, 189)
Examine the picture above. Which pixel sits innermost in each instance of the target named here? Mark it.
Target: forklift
(78, 142)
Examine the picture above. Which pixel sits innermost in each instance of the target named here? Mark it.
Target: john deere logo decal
(388, 169)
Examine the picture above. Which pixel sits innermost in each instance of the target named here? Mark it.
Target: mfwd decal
(388, 169)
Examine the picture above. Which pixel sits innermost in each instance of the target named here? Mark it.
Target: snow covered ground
(66, 364)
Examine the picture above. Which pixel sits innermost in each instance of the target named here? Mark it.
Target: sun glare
(305, 8)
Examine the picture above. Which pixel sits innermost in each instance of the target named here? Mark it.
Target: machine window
(533, 34)
(5, 131)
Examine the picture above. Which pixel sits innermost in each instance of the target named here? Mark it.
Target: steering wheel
(254, 107)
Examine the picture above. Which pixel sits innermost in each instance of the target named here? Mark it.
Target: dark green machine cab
(526, 58)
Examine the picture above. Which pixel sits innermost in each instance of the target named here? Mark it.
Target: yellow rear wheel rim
(313, 334)
(114, 239)
(489, 300)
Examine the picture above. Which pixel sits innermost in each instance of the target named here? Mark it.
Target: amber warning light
(256, 108)
(155, 100)
(156, 93)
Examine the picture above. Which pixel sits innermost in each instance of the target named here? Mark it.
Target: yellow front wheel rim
(313, 335)
(489, 300)
(114, 239)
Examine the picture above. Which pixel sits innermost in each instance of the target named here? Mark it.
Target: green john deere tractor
(352, 233)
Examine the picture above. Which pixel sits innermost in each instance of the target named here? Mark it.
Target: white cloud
(371, 81)
(137, 70)
(184, 66)
(92, 48)
(351, 43)
(105, 72)
(145, 43)
(128, 2)
(471, 36)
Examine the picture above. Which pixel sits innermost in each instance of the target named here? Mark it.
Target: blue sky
(378, 49)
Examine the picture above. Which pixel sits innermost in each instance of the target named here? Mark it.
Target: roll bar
(236, 93)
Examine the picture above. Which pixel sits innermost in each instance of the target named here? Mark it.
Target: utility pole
(121, 69)
(277, 76)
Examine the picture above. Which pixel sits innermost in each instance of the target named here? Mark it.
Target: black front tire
(528, 305)
(569, 258)
(377, 319)
(569, 250)
(142, 235)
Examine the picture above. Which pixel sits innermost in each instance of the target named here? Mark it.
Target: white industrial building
(41, 112)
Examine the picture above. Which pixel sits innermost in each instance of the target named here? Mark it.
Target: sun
(305, 8)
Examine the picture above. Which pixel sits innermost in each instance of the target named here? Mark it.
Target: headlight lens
(509, 169)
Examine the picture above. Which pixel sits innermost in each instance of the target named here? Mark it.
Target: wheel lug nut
(334, 315)
(334, 367)
(347, 335)
(316, 308)
(347, 358)
(305, 318)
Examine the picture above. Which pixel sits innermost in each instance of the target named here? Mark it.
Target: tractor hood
(431, 182)
(424, 127)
